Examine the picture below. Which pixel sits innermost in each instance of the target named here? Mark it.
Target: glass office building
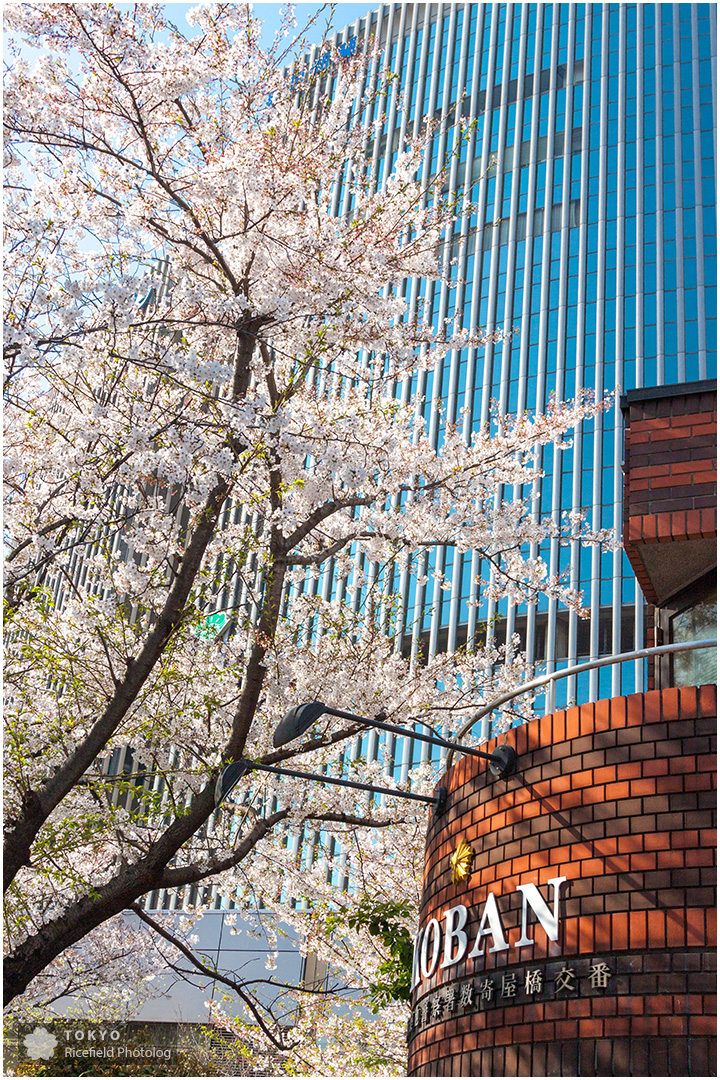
(589, 157)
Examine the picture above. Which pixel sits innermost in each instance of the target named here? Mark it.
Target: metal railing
(485, 711)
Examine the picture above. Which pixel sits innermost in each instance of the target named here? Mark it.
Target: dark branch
(212, 973)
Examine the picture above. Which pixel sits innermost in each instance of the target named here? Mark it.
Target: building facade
(583, 136)
(582, 943)
(589, 898)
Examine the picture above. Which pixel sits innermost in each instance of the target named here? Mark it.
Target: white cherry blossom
(210, 409)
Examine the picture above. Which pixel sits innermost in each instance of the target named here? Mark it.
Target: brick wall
(670, 472)
(618, 797)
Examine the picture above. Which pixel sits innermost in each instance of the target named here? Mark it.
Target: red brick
(697, 932)
(684, 838)
(634, 709)
(688, 702)
(649, 424)
(643, 860)
(663, 524)
(620, 931)
(693, 524)
(521, 864)
(643, 786)
(682, 764)
(631, 1006)
(660, 841)
(709, 522)
(659, 1004)
(657, 484)
(674, 1025)
(708, 700)
(586, 939)
(653, 470)
(522, 1033)
(630, 770)
(539, 858)
(672, 434)
(658, 929)
(607, 847)
(571, 936)
(649, 526)
(566, 1029)
(679, 526)
(700, 858)
(656, 767)
(644, 1025)
(636, 842)
(520, 735)
(603, 932)
(699, 782)
(705, 417)
(703, 1025)
(617, 1025)
(573, 798)
(681, 468)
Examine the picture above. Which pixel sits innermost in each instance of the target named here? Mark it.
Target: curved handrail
(576, 669)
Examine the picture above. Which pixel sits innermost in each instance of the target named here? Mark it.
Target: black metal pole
(340, 783)
(410, 734)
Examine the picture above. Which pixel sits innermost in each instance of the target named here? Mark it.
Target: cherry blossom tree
(218, 478)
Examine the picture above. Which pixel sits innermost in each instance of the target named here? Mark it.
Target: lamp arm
(435, 740)
(251, 765)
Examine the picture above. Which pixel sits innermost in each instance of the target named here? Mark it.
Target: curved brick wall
(617, 797)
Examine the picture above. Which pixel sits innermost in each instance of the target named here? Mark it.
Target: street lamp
(234, 772)
(502, 761)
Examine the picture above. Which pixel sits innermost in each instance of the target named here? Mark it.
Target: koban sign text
(453, 938)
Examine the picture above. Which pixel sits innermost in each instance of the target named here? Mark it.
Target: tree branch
(323, 512)
(190, 875)
(212, 973)
(39, 804)
(326, 553)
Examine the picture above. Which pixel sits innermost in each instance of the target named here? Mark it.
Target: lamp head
(296, 722)
(229, 777)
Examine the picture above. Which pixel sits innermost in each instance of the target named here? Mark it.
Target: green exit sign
(212, 625)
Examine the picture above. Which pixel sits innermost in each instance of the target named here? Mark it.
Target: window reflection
(698, 622)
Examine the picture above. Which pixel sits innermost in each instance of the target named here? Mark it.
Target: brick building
(616, 797)
(580, 941)
(670, 517)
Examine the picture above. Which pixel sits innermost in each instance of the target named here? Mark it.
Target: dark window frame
(683, 600)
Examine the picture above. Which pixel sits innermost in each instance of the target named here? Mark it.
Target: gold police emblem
(461, 862)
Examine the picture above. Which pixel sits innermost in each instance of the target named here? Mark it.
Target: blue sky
(269, 13)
